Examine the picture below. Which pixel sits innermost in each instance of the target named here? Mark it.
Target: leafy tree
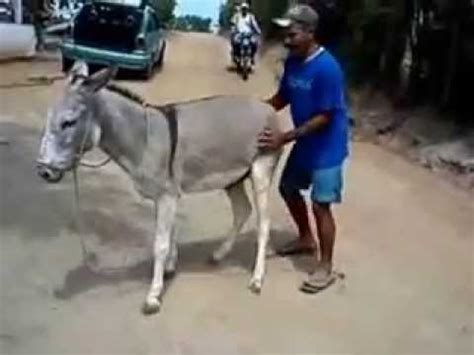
(192, 23)
(165, 10)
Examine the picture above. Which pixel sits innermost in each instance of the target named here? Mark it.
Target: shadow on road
(193, 258)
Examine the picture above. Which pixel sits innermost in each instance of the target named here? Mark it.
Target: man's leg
(290, 185)
(234, 45)
(232, 50)
(327, 189)
(254, 48)
(299, 212)
(326, 228)
(38, 28)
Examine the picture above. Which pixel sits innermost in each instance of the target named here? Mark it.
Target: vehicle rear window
(108, 26)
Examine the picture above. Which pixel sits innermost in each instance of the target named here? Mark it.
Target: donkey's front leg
(165, 219)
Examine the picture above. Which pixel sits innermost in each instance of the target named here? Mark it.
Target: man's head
(245, 8)
(300, 23)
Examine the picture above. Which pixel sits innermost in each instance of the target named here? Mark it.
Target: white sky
(203, 8)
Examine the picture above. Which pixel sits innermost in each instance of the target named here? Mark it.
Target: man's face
(245, 11)
(298, 39)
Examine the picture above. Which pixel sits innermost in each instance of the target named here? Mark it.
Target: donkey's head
(70, 129)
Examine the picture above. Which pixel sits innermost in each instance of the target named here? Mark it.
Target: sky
(204, 8)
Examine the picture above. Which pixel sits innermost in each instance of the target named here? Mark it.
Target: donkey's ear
(80, 70)
(98, 80)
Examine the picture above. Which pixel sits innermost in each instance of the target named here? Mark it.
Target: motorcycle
(243, 55)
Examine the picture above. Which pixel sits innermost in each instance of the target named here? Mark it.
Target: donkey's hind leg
(172, 258)
(241, 209)
(262, 173)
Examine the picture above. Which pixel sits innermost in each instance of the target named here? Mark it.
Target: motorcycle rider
(244, 23)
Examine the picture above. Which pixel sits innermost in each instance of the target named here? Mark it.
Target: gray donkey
(187, 147)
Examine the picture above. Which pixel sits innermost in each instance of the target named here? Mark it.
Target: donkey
(167, 151)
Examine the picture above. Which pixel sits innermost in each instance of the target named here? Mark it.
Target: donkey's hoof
(255, 286)
(151, 306)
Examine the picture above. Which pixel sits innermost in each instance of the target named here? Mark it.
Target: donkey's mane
(129, 94)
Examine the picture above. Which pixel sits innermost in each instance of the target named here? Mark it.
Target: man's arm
(233, 23)
(277, 101)
(233, 19)
(313, 125)
(255, 25)
(330, 98)
(273, 140)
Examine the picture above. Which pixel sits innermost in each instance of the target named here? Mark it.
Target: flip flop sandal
(313, 286)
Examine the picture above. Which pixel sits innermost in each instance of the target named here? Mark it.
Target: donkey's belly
(214, 173)
(215, 181)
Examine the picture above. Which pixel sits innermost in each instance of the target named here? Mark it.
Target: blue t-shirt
(311, 87)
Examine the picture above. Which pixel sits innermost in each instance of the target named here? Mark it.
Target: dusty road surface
(405, 243)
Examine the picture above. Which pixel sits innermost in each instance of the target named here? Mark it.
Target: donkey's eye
(67, 124)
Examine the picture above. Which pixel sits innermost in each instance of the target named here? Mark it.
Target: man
(244, 23)
(38, 16)
(313, 86)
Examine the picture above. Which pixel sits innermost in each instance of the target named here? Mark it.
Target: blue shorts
(326, 184)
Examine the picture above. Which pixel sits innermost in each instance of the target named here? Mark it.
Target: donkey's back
(217, 140)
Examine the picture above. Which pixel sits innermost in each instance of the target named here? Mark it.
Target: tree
(225, 13)
(165, 10)
(192, 23)
(267, 10)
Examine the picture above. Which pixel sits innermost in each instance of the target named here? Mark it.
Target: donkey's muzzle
(49, 174)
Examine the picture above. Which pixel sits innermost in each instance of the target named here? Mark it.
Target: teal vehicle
(123, 33)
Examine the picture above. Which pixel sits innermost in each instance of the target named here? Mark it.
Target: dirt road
(405, 243)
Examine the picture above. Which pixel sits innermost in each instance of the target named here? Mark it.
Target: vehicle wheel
(161, 58)
(245, 73)
(66, 64)
(246, 69)
(147, 73)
